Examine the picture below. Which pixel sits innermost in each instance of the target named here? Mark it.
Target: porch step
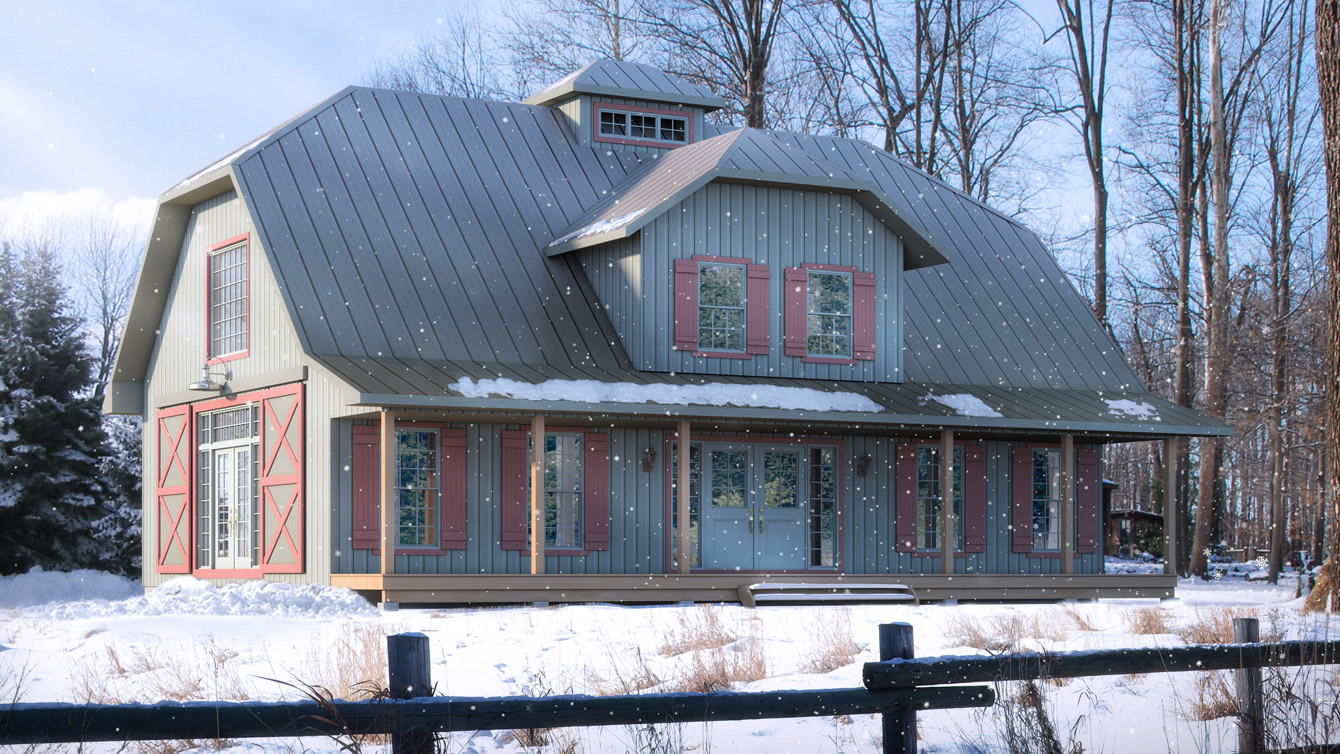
(779, 593)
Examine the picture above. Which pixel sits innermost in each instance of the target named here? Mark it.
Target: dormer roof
(623, 79)
(747, 156)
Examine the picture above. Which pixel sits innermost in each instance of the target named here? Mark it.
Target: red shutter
(453, 489)
(974, 498)
(281, 480)
(366, 485)
(1022, 499)
(1086, 500)
(512, 489)
(757, 319)
(863, 316)
(686, 305)
(794, 283)
(596, 492)
(905, 497)
(173, 489)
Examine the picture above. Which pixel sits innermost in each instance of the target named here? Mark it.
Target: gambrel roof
(409, 235)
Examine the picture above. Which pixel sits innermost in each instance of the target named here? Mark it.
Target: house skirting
(669, 588)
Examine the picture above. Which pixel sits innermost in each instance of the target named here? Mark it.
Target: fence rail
(898, 686)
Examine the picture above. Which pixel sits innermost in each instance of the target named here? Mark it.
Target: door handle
(760, 525)
(751, 524)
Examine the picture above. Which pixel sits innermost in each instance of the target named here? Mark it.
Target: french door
(755, 509)
(228, 490)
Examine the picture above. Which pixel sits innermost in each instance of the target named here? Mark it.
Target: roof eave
(571, 89)
(887, 419)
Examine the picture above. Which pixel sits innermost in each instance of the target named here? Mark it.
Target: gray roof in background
(742, 155)
(408, 234)
(612, 78)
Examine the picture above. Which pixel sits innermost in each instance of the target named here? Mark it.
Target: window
(828, 314)
(417, 487)
(928, 498)
(721, 317)
(229, 507)
(695, 501)
(228, 299)
(562, 491)
(823, 507)
(641, 124)
(1046, 508)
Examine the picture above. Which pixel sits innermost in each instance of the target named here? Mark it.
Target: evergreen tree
(52, 446)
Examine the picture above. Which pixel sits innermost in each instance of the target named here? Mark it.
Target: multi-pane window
(781, 480)
(228, 301)
(730, 471)
(417, 487)
(562, 490)
(643, 126)
(928, 497)
(823, 507)
(1046, 499)
(828, 308)
(695, 499)
(721, 307)
(229, 509)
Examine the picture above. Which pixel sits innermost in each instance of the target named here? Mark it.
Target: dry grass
(699, 628)
(1146, 621)
(1078, 619)
(350, 664)
(1214, 698)
(831, 645)
(1214, 625)
(718, 667)
(623, 677)
(1001, 633)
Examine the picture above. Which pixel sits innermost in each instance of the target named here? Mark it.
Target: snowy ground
(76, 637)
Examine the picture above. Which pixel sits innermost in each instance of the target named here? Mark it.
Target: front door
(231, 507)
(755, 510)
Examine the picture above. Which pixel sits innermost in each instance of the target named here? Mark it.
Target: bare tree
(549, 39)
(106, 262)
(1328, 91)
(461, 60)
(725, 45)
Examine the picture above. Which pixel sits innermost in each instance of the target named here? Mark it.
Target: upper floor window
(828, 310)
(721, 311)
(228, 309)
(641, 125)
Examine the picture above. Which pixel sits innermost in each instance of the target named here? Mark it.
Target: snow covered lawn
(82, 636)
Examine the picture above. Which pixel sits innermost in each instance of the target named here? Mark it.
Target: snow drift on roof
(964, 404)
(710, 394)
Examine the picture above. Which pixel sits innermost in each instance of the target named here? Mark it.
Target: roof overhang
(921, 248)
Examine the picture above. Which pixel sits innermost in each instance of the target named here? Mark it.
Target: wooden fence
(898, 686)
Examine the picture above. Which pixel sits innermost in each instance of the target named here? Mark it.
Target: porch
(494, 589)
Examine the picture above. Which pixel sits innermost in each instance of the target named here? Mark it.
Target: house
(396, 296)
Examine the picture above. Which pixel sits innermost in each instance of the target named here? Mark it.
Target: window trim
(583, 433)
(210, 253)
(599, 107)
(743, 264)
(581, 487)
(253, 443)
(850, 276)
(960, 542)
(436, 547)
(1075, 481)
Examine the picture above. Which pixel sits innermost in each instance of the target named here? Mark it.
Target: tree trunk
(1328, 89)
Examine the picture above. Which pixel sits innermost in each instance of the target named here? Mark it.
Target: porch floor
(490, 589)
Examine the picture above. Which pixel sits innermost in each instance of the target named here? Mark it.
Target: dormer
(629, 106)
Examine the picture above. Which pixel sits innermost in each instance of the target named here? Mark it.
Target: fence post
(410, 675)
(1251, 722)
(900, 727)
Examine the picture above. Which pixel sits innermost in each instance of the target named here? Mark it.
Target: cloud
(35, 211)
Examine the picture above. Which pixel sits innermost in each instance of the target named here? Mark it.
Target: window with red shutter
(569, 529)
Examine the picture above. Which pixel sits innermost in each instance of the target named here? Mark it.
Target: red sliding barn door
(281, 480)
(172, 486)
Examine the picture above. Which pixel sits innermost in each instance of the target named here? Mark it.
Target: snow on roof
(710, 394)
(1135, 409)
(964, 404)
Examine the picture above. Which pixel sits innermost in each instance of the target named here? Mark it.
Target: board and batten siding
(776, 227)
(637, 507)
(274, 353)
(579, 113)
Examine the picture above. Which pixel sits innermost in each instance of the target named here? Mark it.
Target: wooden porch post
(1170, 511)
(684, 558)
(388, 532)
(947, 501)
(1067, 503)
(537, 495)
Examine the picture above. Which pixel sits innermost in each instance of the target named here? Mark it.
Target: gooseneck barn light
(205, 383)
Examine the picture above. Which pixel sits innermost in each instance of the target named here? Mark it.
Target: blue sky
(105, 104)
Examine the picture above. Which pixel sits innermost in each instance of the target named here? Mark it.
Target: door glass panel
(223, 494)
(695, 501)
(242, 502)
(781, 480)
(729, 475)
(823, 507)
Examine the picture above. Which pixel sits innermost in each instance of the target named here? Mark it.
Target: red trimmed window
(630, 124)
(229, 308)
(1037, 492)
(830, 314)
(917, 514)
(721, 307)
(576, 491)
(430, 484)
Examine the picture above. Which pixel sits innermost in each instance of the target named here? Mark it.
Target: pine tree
(52, 446)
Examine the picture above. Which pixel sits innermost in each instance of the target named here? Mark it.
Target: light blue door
(779, 508)
(728, 519)
(754, 508)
